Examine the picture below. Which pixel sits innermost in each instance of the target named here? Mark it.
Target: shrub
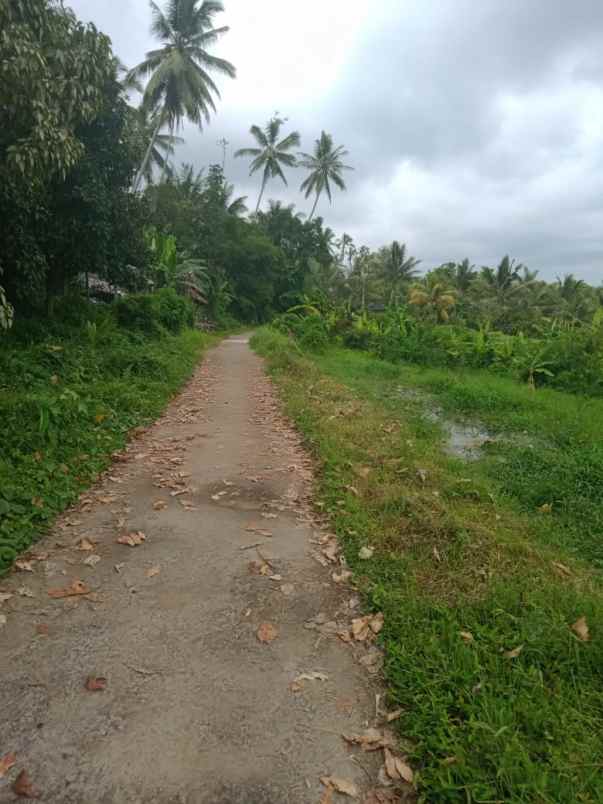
(155, 312)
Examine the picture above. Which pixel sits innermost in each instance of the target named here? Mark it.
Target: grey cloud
(474, 126)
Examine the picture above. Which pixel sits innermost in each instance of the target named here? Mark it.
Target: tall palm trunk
(264, 182)
(164, 169)
(314, 207)
(147, 156)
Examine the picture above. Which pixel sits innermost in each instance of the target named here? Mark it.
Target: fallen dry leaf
(341, 577)
(327, 796)
(159, 505)
(466, 636)
(92, 560)
(96, 683)
(76, 588)
(343, 786)
(396, 768)
(313, 676)
(371, 740)
(364, 627)
(85, 544)
(391, 716)
(118, 567)
(23, 566)
(152, 572)
(562, 568)
(267, 632)
(23, 787)
(580, 628)
(23, 591)
(366, 552)
(133, 539)
(42, 629)
(6, 763)
(513, 654)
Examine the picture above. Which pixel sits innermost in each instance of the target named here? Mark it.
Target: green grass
(554, 457)
(458, 551)
(67, 401)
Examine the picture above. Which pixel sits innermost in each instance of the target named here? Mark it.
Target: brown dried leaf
(152, 572)
(133, 539)
(376, 623)
(42, 629)
(313, 676)
(159, 505)
(341, 577)
(371, 740)
(6, 763)
(360, 629)
(563, 570)
(580, 628)
(466, 636)
(96, 683)
(343, 786)
(327, 796)
(23, 591)
(513, 654)
(23, 566)
(366, 552)
(391, 716)
(23, 787)
(92, 560)
(396, 768)
(76, 588)
(267, 632)
(85, 544)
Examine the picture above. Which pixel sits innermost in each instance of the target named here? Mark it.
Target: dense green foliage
(70, 392)
(501, 699)
(68, 150)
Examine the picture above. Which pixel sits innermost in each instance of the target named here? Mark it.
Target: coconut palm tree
(162, 149)
(234, 206)
(180, 85)
(272, 153)
(398, 269)
(435, 298)
(325, 166)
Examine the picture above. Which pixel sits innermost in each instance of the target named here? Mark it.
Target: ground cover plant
(492, 631)
(71, 391)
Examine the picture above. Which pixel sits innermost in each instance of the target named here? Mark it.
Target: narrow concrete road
(196, 707)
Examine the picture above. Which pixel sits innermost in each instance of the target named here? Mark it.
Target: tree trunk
(166, 158)
(314, 207)
(147, 156)
(264, 181)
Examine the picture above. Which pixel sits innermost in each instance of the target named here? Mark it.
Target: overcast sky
(475, 126)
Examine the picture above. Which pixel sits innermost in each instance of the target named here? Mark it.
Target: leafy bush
(156, 312)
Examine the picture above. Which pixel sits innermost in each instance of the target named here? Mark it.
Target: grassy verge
(551, 466)
(502, 700)
(67, 401)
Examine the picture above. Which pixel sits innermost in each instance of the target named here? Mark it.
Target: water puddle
(463, 440)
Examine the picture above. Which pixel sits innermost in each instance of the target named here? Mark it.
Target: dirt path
(196, 708)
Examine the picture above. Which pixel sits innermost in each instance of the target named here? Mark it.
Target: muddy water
(463, 439)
